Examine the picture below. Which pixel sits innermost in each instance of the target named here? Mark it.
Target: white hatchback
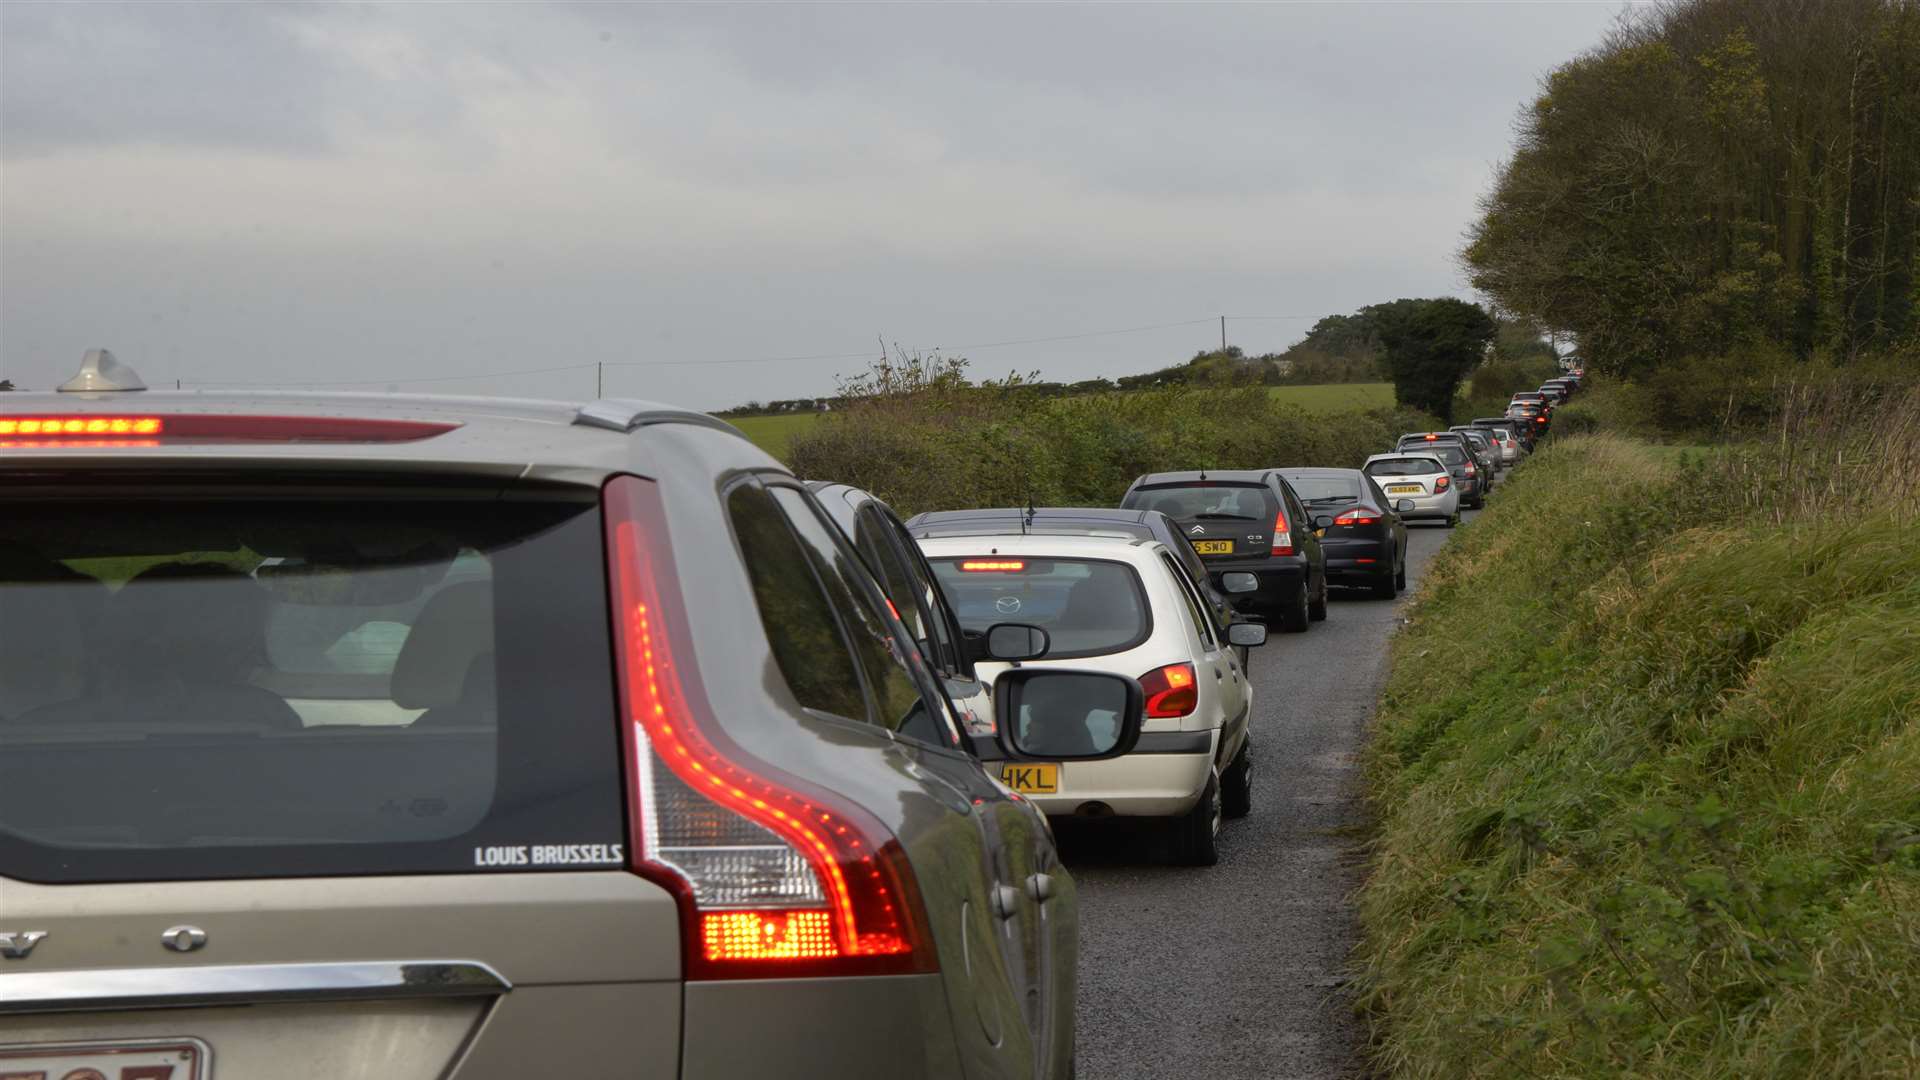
(1423, 478)
(1126, 606)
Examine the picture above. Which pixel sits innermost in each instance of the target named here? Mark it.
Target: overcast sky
(407, 192)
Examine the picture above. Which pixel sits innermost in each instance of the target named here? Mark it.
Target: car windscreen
(1402, 467)
(1324, 489)
(1087, 606)
(1204, 500)
(216, 688)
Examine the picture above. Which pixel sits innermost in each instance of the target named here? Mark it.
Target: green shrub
(1672, 826)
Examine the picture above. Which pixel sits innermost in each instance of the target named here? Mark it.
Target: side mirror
(1248, 634)
(1239, 581)
(1016, 641)
(1401, 506)
(1059, 715)
(1323, 521)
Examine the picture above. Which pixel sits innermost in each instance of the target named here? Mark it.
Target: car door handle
(1040, 887)
(1005, 901)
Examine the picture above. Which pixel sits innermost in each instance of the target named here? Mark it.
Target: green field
(773, 433)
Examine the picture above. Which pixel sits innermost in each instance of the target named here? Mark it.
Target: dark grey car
(438, 737)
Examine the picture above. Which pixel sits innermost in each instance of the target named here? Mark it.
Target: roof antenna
(1026, 519)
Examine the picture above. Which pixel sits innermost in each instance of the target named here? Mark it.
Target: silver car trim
(243, 984)
(620, 414)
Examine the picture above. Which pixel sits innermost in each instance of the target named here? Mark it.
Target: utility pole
(1223, 333)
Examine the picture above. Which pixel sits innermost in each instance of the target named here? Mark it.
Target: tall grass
(1648, 766)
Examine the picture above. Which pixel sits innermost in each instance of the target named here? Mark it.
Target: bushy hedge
(1646, 766)
(964, 447)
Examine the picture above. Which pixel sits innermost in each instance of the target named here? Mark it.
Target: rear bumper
(1443, 505)
(807, 1028)
(1139, 784)
(1348, 566)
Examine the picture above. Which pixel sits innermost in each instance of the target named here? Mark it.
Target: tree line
(1718, 177)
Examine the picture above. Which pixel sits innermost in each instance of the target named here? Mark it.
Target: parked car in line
(1452, 448)
(479, 739)
(1248, 521)
(1091, 521)
(1555, 393)
(1422, 476)
(1126, 606)
(1485, 452)
(1359, 527)
(1502, 437)
(1567, 386)
(1518, 437)
(1534, 414)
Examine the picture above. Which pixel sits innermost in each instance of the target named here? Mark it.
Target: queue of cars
(352, 735)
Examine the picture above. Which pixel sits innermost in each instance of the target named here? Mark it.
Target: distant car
(1486, 451)
(1500, 450)
(1554, 393)
(1422, 477)
(1084, 521)
(1569, 387)
(1359, 525)
(1534, 414)
(895, 561)
(1250, 521)
(1515, 440)
(1452, 448)
(1125, 606)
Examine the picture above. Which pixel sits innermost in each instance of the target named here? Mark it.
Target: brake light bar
(993, 566)
(67, 430)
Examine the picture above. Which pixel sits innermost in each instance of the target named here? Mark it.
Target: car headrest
(454, 629)
(197, 621)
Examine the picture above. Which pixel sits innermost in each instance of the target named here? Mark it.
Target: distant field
(774, 433)
(1336, 397)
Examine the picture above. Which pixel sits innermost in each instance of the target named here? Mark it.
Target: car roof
(1058, 545)
(1068, 520)
(493, 434)
(1207, 476)
(1397, 455)
(1316, 470)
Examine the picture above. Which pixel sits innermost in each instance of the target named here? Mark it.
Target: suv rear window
(1449, 452)
(1087, 606)
(250, 688)
(1250, 501)
(1315, 489)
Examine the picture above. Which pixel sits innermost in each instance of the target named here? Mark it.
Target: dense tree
(1430, 346)
(1718, 174)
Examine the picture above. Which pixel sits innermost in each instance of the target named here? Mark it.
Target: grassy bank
(1648, 768)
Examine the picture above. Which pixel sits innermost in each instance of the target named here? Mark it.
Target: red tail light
(215, 428)
(1172, 691)
(776, 877)
(1282, 535)
(1357, 516)
(994, 566)
(1470, 469)
(1440, 482)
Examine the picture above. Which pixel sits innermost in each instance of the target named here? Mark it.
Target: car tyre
(1236, 784)
(1454, 520)
(1196, 833)
(1388, 586)
(1400, 577)
(1317, 607)
(1293, 616)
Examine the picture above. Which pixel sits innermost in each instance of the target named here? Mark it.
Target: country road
(1237, 971)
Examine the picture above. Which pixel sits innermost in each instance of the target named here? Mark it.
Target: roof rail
(627, 414)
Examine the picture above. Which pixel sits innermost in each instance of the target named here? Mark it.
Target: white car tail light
(776, 877)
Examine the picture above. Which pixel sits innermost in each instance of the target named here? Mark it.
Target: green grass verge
(774, 433)
(1647, 773)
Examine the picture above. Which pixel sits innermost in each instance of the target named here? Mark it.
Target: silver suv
(353, 736)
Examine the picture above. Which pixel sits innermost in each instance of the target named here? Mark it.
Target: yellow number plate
(1213, 547)
(1032, 779)
(1403, 489)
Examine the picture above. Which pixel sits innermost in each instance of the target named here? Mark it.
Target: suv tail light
(1357, 516)
(1282, 535)
(1470, 469)
(1172, 691)
(776, 877)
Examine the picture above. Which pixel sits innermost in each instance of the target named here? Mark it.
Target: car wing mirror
(1323, 521)
(1055, 714)
(1012, 642)
(1402, 505)
(1239, 581)
(1247, 634)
